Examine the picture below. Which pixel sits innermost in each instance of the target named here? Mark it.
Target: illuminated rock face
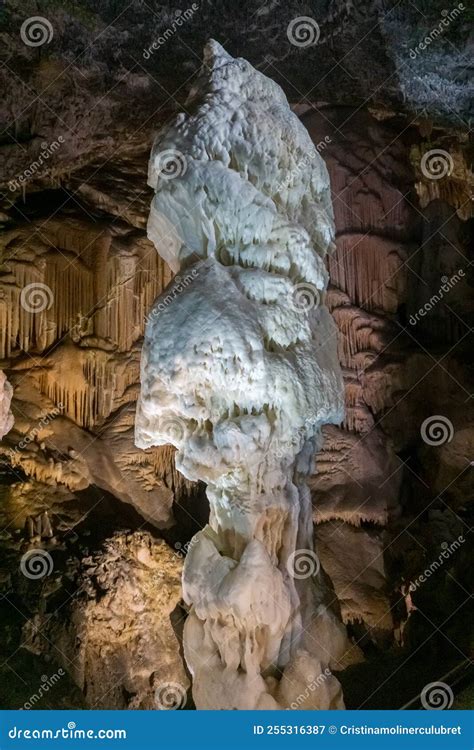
(6, 418)
(75, 301)
(239, 372)
(116, 637)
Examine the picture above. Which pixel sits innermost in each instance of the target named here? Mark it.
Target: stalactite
(92, 285)
(361, 336)
(370, 270)
(86, 383)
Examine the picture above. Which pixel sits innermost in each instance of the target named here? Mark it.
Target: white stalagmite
(6, 417)
(239, 372)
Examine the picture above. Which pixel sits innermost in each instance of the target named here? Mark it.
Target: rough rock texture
(116, 637)
(239, 372)
(23, 499)
(377, 470)
(353, 558)
(351, 478)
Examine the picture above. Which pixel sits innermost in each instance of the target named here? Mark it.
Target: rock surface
(72, 311)
(116, 637)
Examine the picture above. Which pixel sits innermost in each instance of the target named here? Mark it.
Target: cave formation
(240, 372)
(261, 354)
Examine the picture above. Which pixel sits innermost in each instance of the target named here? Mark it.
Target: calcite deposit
(239, 372)
(6, 417)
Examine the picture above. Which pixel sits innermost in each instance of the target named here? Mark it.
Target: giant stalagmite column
(239, 372)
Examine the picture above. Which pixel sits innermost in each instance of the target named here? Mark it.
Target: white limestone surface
(239, 372)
